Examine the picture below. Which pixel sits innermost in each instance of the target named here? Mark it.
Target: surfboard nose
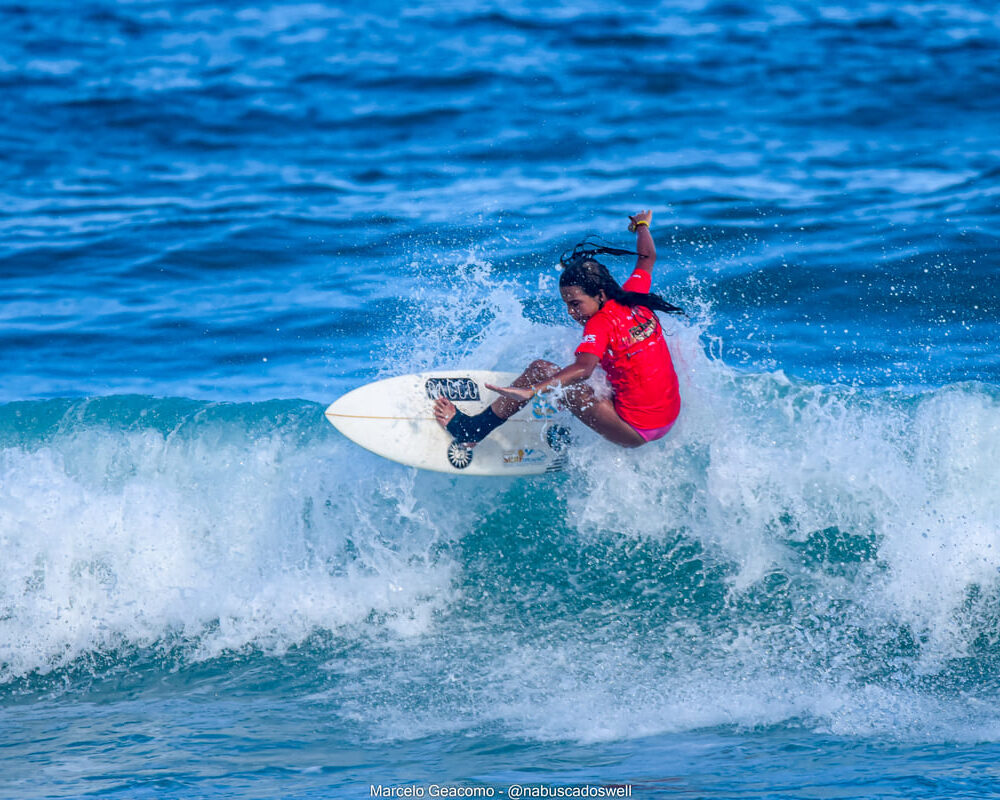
(394, 418)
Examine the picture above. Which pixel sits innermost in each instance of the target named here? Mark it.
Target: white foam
(211, 537)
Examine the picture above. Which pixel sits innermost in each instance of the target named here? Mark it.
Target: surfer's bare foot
(444, 410)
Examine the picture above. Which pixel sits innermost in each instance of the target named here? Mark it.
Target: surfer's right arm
(643, 240)
(579, 370)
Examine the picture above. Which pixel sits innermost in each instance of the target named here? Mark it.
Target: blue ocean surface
(215, 218)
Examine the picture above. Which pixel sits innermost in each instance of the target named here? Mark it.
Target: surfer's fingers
(506, 391)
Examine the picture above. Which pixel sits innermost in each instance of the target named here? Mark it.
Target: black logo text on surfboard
(455, 389)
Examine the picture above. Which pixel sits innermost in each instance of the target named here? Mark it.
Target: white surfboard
(394, 418)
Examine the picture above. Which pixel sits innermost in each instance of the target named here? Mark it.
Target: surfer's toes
(444, 410)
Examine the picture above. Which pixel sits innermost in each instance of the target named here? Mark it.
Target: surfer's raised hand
(518, 393)
(643, 217)
(639, 225)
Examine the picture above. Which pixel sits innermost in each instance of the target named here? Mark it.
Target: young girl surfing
(620, 332)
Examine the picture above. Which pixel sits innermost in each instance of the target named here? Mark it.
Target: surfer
(620, 332)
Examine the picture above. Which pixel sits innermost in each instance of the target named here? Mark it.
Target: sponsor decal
(455, 389)
(525, 455)
(459, 456)
(542, 406)
(589, 339)
(558, 437)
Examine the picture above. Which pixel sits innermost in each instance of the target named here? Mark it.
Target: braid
(593, 278)
(650, 300)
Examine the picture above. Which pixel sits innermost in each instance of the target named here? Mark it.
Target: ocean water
(217, 217)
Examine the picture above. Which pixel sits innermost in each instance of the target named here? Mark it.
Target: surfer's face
(580, 305)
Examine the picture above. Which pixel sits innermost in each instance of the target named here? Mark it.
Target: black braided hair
(580, 268)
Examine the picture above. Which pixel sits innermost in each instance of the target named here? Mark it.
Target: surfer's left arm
(643, 240)
(579, 370)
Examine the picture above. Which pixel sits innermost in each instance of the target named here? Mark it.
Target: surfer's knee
(540, 369)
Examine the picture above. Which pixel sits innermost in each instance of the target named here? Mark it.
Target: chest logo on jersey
(643, 330)
(455, 389)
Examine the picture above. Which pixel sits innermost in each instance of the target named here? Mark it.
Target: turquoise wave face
(794, 554)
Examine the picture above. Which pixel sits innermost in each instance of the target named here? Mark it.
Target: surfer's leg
(537, 371)
(476, 428)
(465, 429)
(599, 414)
(596, 413)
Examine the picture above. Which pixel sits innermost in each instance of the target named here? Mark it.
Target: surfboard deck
(394, 418)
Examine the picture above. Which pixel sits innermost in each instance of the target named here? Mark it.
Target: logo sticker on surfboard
(525, 455)
(542, 407)
(455, 389)
(459, 456)
(557, 437)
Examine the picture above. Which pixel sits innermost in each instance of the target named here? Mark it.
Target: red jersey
(634, 354)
